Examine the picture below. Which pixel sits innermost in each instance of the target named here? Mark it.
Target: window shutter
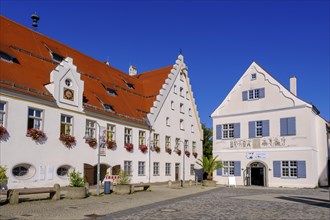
(219, 172)
(265, 128)
(252, 132)
(218, 132)
(237, 168)
(284, 126)
(277, 168)
(244, 95)
(301, 166)
(292, 126)
(237, 132)
(262, 93)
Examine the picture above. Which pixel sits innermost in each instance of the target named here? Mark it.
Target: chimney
(293, 85)
(132, 70)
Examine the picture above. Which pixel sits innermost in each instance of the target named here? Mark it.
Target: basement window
(7, 57)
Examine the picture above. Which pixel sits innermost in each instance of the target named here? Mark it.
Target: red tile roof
(32, 73)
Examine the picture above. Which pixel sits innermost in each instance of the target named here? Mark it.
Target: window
(129, 85)
(167, 142)
(108, 107)
(192, 129)
(189, 111)
(156, 140)
(186, 145)
(8, 58)
(181, 108)
(172, 105)
(288, 126)
(128, 136)
(167, 121)
(177, 144)
(68, 82)
(258, 128)
(228, 168)
(192, 169)
(181, 124)
(2, 113)
(156, 168)
(181, 92)
(181, 76)
(187, 95)
(20, 171)
(142, 137)
(63, 171)
(111, 132)
(90, 129)
(141, 169)
(253, 94)
(253, 76)
(34, 118)
(174, 89)
(167, 169)
(128, 167)
(56, 57)
(289, 168)
(228, 131)
(23, 171)
(193, 146)
(66, 124)
(112, 92)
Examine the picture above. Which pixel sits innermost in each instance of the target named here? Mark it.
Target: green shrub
(124, 177)
(76, 180)
(3, 176)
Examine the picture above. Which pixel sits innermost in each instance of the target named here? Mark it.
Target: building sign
(256, 155)
(103, 141)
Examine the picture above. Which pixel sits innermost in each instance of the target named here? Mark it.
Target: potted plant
(3, 132)
(111, 144)
(187, 153)
(3, 178)
(123, 186)
(68, 140)
(92, 142)
(157, 149)
(129, 147)
(77, 189)
(35, 134)
(178, 151)
(143, 148)
(209, 165)
(168, 150)
(195, 154)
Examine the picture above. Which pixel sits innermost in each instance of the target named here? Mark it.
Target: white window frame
(167, 142)
(67, 123)
(192, 129)
(156, 140)
(228, 168)
(35, 118)
(156, 168)
(289, 168)
(258, 127)
(187, 95)
(90, 128)
(128, 135)
(253, 94)
(111, 132)
(167, 169)
(142, 137)
(3, 114)
(228, 131)
(141, 168)
(168, 121)
(186, 145)
(181, 108)
(172, 105)
(181, 124)
(174, 89)
(181, 92)
(128, 167)
(253, 76)
(177, 143)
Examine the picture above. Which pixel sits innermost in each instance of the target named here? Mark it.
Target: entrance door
(89, 173)
(257, 174)
(177, 171)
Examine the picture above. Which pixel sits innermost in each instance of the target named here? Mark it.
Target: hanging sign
(103, 141)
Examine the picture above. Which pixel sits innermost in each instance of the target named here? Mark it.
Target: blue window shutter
(237, 132)
(244, 95)
(292, 126)
(265, 128)
(218, 132)
(284, 126)
(219, 172)
(252, 132)
(262, 93)
(237, 168)
(301, 169)
(277, 168)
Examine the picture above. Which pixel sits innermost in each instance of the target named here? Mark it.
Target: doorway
(255, 174)
(177, 171)
(90, 173)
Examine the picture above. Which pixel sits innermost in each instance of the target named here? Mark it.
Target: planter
(122, 189)
(76, 193)
(209, 183)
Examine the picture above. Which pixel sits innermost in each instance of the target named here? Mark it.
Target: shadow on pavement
(307, 200)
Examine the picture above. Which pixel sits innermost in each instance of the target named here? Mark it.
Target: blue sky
(219, 40)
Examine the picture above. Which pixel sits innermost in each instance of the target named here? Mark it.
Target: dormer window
(56, 57)
(112, 92)
(253, 76)
(129, 85)
(108, 107)
(7, 57)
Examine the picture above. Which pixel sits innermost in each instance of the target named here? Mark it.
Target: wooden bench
(13, 194)
(141, 185)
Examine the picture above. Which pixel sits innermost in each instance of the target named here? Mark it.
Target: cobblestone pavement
(193, 202)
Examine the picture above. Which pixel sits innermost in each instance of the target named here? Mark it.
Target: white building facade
(47, 100)
(265, 135)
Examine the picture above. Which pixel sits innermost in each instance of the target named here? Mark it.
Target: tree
(209, 164)
(207, 141)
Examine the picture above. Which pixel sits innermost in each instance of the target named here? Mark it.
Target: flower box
(129, 147)
(195, 154)
(187, 153)
(35, 134)
(143, 148)
(68, 140)
(111, 144)
(168, 150)
(3, 132)
(157, 149)
(178, 152)
(92, 142)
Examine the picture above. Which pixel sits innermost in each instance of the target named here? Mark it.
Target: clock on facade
(68, 94)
